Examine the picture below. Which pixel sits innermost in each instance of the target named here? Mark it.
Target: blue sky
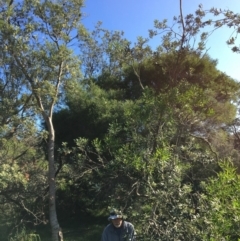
(135, 18)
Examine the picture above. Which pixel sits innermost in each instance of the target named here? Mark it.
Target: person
(118, 229)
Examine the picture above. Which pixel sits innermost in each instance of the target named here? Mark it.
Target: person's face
(117, 222)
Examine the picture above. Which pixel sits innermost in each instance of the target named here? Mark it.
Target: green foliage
(102, 51)
(152, 150)
(24, 236)
(89, 114)
(222, 204)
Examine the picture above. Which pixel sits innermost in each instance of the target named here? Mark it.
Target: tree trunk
(56, 230)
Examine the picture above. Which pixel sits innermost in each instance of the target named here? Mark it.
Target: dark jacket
(124, 233)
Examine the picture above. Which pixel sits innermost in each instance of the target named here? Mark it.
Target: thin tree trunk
(56, 230)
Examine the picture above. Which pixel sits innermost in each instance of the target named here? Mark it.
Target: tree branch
(208, 143)
(183, 25)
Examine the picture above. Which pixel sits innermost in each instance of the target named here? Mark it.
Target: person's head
(116, 218)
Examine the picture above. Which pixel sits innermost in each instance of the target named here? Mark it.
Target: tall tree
(36, 37)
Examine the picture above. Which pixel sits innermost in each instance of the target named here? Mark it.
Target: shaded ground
(80, 228)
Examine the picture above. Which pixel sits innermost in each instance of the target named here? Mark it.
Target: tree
(136, 165)
(101, 52)
(35, 36)
(161, 146)
(22, 162)
(221, 18)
